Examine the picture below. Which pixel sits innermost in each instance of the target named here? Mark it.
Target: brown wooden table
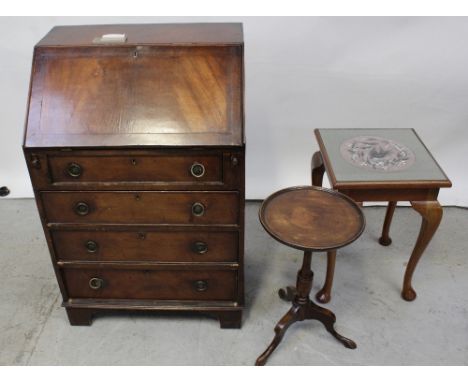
(309, 219)
(388, 165)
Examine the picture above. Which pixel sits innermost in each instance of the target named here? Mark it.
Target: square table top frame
(422, 194)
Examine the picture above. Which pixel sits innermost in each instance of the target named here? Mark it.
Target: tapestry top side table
(382, 165)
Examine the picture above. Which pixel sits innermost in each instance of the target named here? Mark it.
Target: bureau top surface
(151, 34)
(166, 85)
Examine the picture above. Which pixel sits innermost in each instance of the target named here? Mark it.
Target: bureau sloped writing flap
(133, 96)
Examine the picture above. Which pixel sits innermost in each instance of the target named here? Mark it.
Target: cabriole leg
(385, 238)
(318, 169)
(431, 213)
(324, 294)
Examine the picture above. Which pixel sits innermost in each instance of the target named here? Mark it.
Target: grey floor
(389, 331)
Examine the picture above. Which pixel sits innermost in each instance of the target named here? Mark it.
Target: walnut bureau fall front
(136, 154)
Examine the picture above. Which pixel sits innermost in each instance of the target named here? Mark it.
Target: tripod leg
(328, 319)
(280, 328)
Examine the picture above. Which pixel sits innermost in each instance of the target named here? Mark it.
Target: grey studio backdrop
(301, 73)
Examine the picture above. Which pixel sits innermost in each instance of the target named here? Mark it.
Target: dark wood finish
(161, 169)
(229, 320)
(145, 207)
(216, 34)
(311, 218)
(151, 284)
(313, 199)
(229, 316)
(136, 94)
(147, 245)
(388, 194)
(136, 155)
(385, 239)
(303, 309)
(79, 317)
(318, 169)
(431, 213)
(421, 194)
(324, 294)
(137, 168)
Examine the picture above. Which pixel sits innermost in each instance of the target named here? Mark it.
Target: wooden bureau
(136, 149)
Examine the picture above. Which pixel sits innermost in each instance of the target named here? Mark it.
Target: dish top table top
(312, 218)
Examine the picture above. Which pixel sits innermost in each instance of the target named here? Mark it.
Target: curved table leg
(328, 319)
(385, 238)
(318, 169)
(324, 294)
(431, 213)
(280, 328)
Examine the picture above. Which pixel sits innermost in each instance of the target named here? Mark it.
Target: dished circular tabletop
(312, 218)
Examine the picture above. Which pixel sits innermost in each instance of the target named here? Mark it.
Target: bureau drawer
(186, 168)
(151, 284)
(146, 245)
(146, 207)
(149, 170)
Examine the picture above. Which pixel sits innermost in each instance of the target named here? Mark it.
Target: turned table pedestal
(309, 219)
(387, 165)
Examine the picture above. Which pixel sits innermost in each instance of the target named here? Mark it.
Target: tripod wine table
(310, 219)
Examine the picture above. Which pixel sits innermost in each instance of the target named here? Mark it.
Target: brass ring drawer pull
(197, 170)
(81, 208)
(199, 247)
(91, 246)
(74, 170)
(200, 285)
(96, 283)
(198, 209)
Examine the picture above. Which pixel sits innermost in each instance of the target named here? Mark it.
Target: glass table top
(378, 155)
